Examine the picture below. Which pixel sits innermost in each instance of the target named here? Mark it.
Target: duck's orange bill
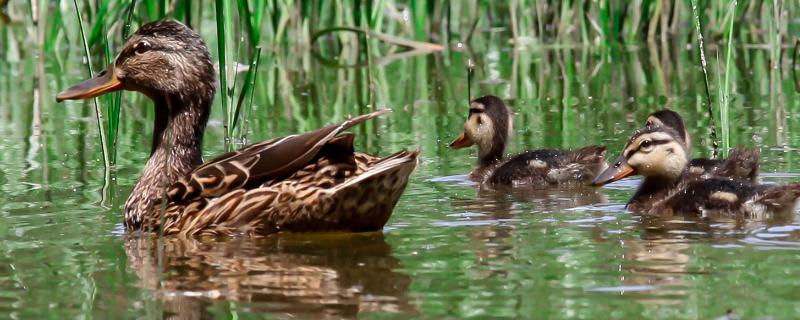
(461, 142)
(104, 82)
(620, 169)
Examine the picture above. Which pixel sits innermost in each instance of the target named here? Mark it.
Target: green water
(451, 249)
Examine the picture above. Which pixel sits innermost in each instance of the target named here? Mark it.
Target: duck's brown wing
(262, 161)
(317, 198)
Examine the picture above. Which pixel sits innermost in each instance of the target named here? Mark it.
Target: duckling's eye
(141, 47)
(648, 123)
(646, 144)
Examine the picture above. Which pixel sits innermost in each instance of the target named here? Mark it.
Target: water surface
(452, 248)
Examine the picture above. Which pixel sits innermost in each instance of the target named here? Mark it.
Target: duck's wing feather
(742, 163)
(268, 160)
(355, 202)
(725, 196)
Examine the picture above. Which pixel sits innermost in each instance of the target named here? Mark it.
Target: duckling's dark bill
(461, 142)
(103, 83)
(620, 169)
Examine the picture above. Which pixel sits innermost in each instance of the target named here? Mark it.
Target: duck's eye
(646, 144)
(141, 47)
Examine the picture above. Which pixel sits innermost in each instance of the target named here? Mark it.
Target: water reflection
(307, 276)
(658, 267)
(500, 202)
(495, 213)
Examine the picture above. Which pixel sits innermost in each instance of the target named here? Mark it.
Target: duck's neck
(492, 154)
(176, 150)
(652, 188)
(179, 127)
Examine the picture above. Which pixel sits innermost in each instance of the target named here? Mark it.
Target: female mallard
(489, 125)
(659, 154)
(305, 182)
(742, 163)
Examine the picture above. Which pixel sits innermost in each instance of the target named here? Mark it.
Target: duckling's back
(728, 197)
(742, 164)
(547, 167)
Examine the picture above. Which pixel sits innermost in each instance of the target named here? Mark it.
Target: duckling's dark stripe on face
(475, 110)
(653, 142)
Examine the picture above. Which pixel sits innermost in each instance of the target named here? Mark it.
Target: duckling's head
(671, 119)
(161, 58)
(653, 152)
(489, 125)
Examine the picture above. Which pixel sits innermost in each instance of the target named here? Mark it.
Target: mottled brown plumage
(489, 126)
(659, 154)
(313, 181)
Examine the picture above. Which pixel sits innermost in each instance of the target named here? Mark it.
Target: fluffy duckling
(742, 163)
(659, 154)
(489, 126)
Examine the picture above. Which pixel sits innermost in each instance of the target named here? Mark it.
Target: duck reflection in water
(662, 258)
(304, 275)
(494, 210)
(502, 202)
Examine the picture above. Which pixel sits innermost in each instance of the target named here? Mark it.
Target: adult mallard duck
(659, 154)
(742, 163)
(489, 125)
(305, 182)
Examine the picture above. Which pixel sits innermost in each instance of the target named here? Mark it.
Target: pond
(451, 248)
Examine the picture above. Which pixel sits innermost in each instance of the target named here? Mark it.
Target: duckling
(742, 163)
(489, 126)
(659, 154)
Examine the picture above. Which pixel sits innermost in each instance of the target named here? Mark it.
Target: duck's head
(161, 58)
(488, 125)
(653, 152)
(670, 119)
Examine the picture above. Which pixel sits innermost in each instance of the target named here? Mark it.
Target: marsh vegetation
(576, 73)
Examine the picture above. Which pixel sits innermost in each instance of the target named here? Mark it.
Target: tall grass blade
(725, 96)
(98, 113)
(470, 74)
(714, 139)
(112, 108)
(222, 14)
(115, 102)
(249, 85)
(794, 65)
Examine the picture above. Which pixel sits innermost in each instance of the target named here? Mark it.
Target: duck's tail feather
(742, 163)
(778, 198)
(593, 160)
(366, 202)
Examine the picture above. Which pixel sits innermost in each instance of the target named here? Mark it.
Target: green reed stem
(725, 102)
(98, 113)
(249, 85)
(794, 65)
(115, 102)
(222, 13)
(162, 8)
(714, 139)
(470, 74)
